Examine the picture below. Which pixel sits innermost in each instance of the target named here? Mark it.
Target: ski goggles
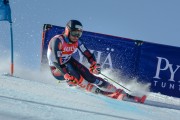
(76, 33)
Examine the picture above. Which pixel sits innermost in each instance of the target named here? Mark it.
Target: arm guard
(90, 57)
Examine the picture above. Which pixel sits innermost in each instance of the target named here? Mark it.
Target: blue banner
(5, 11)
(151, 63)
(160, 65)
(110, 51)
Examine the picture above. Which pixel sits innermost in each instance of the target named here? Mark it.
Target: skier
(64, 66)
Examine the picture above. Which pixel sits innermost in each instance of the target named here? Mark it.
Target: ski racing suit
(60, 60)
(64, 66)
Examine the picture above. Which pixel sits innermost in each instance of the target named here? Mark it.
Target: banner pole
(12, 50)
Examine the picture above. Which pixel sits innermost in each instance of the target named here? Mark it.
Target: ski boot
(136, 99)
(118, 94)
(105, 86)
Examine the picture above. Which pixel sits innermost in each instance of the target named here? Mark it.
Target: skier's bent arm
(56, 46)
(90, 57)
(94, 67)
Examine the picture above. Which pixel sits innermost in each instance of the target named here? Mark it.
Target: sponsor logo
(171, 82)
(69, 49)
(106, 60)
(83, 49)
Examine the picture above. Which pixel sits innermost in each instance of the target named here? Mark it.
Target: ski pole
(115, 82)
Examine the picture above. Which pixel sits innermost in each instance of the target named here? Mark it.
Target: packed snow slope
(45, 99)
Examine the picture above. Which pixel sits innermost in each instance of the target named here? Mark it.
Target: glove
(95, 68)
(71, 80)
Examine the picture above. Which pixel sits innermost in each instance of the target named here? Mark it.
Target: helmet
(73, 25)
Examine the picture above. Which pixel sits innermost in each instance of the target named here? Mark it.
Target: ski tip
(142, 100)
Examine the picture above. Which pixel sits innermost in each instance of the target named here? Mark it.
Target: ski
(120, 95)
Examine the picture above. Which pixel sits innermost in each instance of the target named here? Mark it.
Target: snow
(37, 96)
(45, 99)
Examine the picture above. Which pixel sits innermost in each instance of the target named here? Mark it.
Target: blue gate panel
(160, 66)
(120, 50)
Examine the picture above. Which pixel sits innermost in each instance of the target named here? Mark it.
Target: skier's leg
(84, 84)
(91, 78)
(107, 89)
(87, 81)
(88, 86)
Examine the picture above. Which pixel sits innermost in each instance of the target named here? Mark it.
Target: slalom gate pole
(115, 82)
(12, 51)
